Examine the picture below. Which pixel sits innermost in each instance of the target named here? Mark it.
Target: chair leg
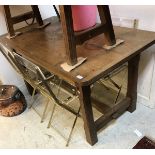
(75, 120)
(100, 81)
(43, 115)
(114, 83)
(59, 88)
(118, 94)
(50, 120)
(118, 87)
(56, 11)
(32, 98)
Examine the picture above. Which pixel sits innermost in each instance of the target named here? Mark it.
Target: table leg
(87, 114)
(132, 81)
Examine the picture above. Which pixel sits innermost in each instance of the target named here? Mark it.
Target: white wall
(3, 28)
(145, 14)
(146, 17)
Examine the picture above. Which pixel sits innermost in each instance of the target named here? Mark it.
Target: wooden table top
(45, 47)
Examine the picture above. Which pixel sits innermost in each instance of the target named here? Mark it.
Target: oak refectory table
(45, 47)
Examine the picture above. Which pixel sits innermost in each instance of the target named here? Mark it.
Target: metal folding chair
(102, 81)
(62, 103)
(109, 77)
(44, 81)
(27, 70)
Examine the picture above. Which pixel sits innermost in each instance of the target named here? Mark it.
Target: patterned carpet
(145, 143)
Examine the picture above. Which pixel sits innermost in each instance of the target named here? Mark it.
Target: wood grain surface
(45, 47)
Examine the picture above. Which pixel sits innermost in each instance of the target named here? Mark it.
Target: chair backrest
(12, 20)
(26, 63)
(32, 69)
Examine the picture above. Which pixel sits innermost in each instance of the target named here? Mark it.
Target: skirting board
(145, 101)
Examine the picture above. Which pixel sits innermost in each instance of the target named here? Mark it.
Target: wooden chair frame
(11, 21)
(71, 38)
(74, 38)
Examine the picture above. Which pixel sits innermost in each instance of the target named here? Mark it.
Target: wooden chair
(12, 20)
(75, 38)
(71, 38)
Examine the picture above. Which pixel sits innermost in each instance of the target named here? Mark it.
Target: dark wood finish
(20, 18)
(37, 15)
(105, 18)
(100, 106)
(105, 27)
(87, 114)
(132, 81)
(58, 15)
(84, 35)
(72, 39)
(112, 113)
(68, 33)
(50, 55)
(10, 20)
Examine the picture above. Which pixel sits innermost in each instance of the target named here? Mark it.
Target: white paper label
(79, 77)
(138, 133)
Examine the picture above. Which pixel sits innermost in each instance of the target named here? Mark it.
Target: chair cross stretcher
(41, 82)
